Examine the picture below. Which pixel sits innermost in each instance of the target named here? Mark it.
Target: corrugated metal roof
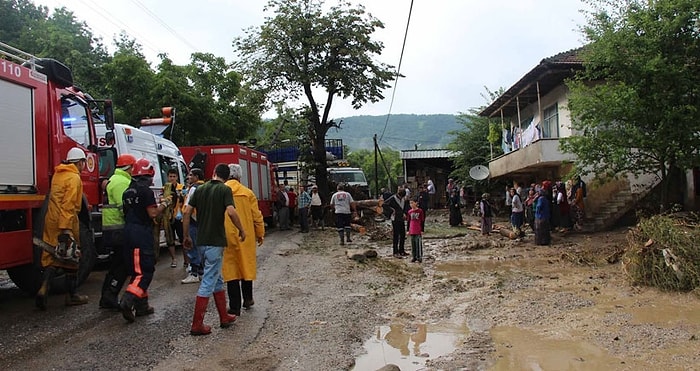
(427, 153)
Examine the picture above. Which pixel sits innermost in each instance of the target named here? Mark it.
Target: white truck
(161, 152)
(353, 177)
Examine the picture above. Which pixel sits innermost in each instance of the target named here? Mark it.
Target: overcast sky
(454, 48)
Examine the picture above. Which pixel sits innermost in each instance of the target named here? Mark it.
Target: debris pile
(664, 252)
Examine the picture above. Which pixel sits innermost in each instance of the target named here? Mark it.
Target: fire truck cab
(43, 116)
(258, 172)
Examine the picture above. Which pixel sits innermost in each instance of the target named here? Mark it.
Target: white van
(161, 152)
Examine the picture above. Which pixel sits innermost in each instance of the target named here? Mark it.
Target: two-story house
(534, 118)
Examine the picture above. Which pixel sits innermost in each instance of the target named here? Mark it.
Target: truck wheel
(28, 277)
(269, 221)
(88, 256)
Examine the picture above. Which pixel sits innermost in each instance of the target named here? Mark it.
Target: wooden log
(368, 204)
(358, 228)
(374, 205)
(506, 232)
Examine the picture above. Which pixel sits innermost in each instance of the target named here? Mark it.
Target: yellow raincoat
(239, 257)
(62, 212)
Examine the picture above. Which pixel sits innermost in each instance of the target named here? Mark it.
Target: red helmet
(126, 160)
(143, 167)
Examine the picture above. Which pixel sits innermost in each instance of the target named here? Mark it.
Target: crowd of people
(207, 217)
(219, 225)
(546, 207)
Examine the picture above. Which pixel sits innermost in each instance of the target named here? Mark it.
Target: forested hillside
(403, 131)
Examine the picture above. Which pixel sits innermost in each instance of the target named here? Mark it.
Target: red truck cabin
(257, 170)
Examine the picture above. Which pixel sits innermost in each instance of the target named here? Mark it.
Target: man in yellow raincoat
(61, 225)
(239, 266)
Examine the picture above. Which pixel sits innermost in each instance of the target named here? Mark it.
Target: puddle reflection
(407, 348)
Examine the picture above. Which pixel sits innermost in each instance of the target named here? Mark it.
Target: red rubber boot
(225, 319)
(200, 309)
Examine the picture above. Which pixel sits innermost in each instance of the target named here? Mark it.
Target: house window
(550, 122)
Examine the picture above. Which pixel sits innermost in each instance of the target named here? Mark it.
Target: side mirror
(109, 137)
(109, 116)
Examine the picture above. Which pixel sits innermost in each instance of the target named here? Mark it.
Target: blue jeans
(194, 254)
(211, 280)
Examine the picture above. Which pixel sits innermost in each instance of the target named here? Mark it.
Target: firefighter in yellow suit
(61, 225)
(239, 265)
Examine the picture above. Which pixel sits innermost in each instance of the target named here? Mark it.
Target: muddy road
(475, 303)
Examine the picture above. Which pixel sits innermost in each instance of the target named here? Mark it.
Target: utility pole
(376, 169)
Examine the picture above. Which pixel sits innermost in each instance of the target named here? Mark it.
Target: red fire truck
(42, 116)
(258, 172)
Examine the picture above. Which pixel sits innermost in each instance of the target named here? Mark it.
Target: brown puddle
(556, 349)
(408, 348)
(518, 349)
(664, 309)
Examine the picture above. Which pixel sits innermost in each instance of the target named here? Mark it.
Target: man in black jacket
(399, 211)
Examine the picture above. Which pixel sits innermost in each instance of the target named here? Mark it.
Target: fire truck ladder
(12, 53)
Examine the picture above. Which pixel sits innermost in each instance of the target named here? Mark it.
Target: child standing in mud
(415, 230)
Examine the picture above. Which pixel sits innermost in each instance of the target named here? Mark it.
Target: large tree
(129, 79)
(302, 50)
(636, 105)
(60, 36)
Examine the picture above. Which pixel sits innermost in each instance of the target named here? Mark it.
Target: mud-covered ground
(511, 305)
(475, 303)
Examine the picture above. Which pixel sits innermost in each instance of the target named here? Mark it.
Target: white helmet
(75, 154)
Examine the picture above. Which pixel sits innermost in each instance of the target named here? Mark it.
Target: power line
(164, 24)
(398, 71)
(123, 26)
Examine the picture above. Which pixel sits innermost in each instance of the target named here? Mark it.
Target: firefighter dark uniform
(139, 250)
(113, 231)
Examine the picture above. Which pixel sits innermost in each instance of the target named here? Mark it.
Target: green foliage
(60, 36)
(213, 107)
(389, 159)
(128, 72)
(303, 49)
(473, 145)
(636, 103)
(289, 128)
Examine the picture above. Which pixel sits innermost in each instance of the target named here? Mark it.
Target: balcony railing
(539, 154)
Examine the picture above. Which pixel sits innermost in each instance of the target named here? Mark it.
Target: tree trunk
(319, 146)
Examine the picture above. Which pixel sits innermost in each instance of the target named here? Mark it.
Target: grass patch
(442, 230)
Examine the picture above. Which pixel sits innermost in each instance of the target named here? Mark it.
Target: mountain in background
(403, 131)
